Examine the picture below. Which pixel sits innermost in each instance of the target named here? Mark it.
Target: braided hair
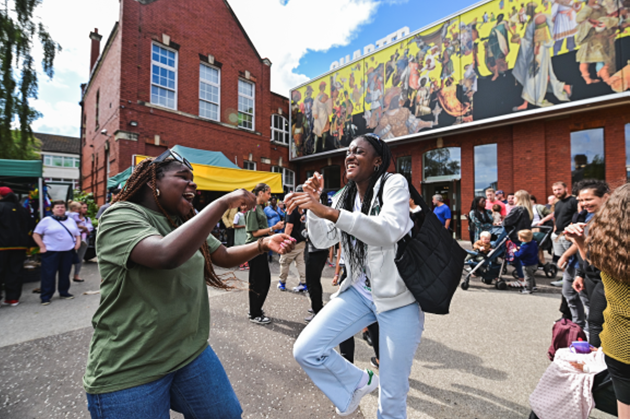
(147, 173)
(357, 254)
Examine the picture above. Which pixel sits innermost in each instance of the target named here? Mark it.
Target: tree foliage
(18, 76)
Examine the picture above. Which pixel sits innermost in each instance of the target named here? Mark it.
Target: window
(288, 178)
(163, 77)
(486, 168)
(332, 178)
(628, 152)
(245, 104)
(442, 164)
(98, 99)
(74, 182)
(61, 161)
(403, 166)
(249, 165)
(107, 162)
(209, 87)
(587, 155)
(279, 129)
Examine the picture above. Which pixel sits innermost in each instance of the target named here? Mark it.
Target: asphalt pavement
(482, 360)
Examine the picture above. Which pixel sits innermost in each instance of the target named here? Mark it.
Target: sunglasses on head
(171, 154)
(373, 136)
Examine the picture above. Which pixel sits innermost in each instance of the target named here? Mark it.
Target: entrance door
(450, 191)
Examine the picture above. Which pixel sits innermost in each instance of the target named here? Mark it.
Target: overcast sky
(300, 37)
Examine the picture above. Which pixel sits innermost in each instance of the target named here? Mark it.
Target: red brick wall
(531, 155)
(198, 28)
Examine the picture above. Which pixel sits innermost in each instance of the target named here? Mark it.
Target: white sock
(364, 380)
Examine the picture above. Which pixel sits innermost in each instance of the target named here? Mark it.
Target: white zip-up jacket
(381, 233)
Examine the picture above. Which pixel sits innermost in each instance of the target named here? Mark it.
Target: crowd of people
(168, 364)
(589, 244)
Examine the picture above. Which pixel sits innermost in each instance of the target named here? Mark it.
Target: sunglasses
(373, 136)
(171, 154)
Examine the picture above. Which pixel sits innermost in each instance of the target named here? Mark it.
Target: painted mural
(503, 57)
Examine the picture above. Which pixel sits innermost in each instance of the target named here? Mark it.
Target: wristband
(260, 248)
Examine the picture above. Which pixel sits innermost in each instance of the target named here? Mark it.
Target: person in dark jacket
(15, 225)
(519, 218)
(592, 194)
(527, 254)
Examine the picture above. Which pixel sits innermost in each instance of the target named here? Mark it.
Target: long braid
(357, 254)
(147, 173)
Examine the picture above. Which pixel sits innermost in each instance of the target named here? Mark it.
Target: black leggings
(597, 305)
(346, 348)
(259, 282)
(315, 263)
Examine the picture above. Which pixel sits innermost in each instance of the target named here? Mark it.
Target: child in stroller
(482, 246)
(488, 266)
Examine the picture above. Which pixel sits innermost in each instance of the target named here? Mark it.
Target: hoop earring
(157, 191)
(376, 168)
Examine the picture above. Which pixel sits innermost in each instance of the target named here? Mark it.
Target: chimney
(96, 47)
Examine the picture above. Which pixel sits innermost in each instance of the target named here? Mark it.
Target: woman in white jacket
(369, 231)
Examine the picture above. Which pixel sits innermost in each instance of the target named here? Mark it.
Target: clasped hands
(310, 199)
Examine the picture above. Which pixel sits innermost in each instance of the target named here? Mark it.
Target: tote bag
(429, 261)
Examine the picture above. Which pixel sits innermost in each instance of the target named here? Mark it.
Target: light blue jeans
(343, 317)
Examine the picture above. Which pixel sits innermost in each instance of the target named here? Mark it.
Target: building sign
(399, 34)
(498, 59)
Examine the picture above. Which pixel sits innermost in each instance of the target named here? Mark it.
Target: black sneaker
(367, 338)
(374, 362)
(260, 320)
(67, 297)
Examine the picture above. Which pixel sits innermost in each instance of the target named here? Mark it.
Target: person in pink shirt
(491, 200)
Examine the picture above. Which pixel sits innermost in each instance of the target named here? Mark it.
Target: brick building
(477, 101)
(179, 73)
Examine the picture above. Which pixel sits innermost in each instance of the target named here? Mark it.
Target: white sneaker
(358, 394)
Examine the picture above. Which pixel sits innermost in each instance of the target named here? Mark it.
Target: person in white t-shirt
(58, 238)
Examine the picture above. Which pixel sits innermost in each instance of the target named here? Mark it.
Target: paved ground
(481, 361)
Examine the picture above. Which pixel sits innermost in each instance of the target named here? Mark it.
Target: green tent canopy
(120, 178)
(19, 174)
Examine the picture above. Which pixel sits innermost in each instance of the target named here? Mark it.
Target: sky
(300, 37)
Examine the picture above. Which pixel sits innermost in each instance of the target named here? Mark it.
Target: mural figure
(374, 96)
(322, 107)
(533, 68)
(423, 97)
(598, 22)
(564, 24)
(397, 120)
(498, 47)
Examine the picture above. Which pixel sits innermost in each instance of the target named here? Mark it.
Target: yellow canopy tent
(222, 179)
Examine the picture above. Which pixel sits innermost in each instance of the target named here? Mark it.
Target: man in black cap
(15, 225)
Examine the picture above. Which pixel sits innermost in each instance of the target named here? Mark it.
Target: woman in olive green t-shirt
(149, 352)
(259, 274)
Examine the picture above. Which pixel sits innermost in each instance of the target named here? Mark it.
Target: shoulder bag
(75, 256)
(429, 260)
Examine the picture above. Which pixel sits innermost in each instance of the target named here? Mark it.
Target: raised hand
(239, 197)
(280, 243)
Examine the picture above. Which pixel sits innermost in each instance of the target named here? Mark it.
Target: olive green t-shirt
(254, 221)
(150, 322)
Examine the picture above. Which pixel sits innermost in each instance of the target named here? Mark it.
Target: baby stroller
(543, 238)
(489, 266)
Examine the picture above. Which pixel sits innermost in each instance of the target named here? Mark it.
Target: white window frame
(218, 86)
(288, 187)
(252, 165)
(174, 69)
(74, 161)
(281, 132)
(253, 99)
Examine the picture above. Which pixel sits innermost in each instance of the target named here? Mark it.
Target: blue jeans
(53, 262)
(200, 390)
(342, 318)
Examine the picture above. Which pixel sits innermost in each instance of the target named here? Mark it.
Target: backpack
(563, 333)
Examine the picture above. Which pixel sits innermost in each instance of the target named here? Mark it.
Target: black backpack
(429, 260)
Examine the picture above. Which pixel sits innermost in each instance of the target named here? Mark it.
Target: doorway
(451, 193)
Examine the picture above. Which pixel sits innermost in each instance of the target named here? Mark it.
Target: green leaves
(18, 30)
